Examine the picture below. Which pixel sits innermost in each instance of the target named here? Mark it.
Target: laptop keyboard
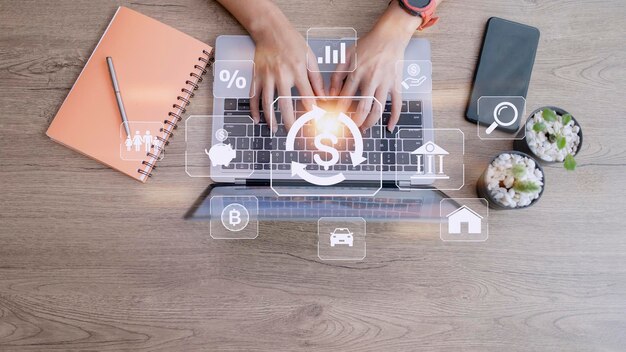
(254, 142)
(298, 207)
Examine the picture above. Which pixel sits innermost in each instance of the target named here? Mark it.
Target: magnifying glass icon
(496, 116)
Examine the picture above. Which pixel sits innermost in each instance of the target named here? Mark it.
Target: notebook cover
(153, 61)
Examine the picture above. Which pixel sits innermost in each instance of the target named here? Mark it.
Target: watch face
(419, 3)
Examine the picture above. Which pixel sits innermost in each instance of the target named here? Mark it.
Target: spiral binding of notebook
(174, 117)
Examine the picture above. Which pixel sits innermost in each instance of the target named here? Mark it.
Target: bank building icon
(430, 162)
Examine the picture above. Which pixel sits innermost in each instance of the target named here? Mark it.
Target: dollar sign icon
(221, 134)
(326, 148)
(235, 217)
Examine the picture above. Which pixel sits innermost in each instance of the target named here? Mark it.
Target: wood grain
(80, 269)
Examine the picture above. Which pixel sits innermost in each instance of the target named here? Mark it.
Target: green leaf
(518, 170)
(526, 186)
(566, 119)
(539, 127)
(569, 163)
(560, 142)
(549, 115)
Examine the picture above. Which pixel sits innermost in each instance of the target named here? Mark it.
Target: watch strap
(426, 13)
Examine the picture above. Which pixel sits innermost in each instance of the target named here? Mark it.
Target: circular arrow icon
(298, 169)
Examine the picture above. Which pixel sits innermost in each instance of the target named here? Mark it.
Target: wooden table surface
(93, 261)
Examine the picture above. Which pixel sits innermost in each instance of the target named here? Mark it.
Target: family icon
(138, 140)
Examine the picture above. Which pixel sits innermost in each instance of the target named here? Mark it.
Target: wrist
(398, 22)
(266, 26)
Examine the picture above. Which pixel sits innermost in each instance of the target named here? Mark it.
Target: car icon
(341, 235)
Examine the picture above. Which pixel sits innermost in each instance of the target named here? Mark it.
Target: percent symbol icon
(233, 78)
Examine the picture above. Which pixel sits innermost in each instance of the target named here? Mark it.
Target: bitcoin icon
(326, 148)
(235, 217)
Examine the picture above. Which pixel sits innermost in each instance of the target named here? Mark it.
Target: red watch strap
(428, 20)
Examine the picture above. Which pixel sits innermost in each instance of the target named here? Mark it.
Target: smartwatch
(423, 8)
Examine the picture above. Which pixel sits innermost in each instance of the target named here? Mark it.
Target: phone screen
(506, 63)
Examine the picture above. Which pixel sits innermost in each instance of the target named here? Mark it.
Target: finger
(304, 88)
(349, 89)
(365, 104)
(286, 104)
(268, 99)
(255, 93)
(340, 74)
(336, 82)
(377, 108)
(314, 75)
(396, 107)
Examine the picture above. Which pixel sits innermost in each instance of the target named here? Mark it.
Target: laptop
(261, 157)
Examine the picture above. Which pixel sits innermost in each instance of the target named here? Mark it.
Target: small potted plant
(513, 180)
(552, 135)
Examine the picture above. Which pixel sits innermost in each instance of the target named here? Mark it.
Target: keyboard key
(257, 143)
(410, 145)
(410, 168)
(388, 106)
(405, 106)
(376, 132)
(368, 145)
(248, 156)
(291, 156)
(345, 158)
(281, 132)
(403, 158)
(277, 156)
(230, 104)
(243, 143)
(265, 130)
(268, 143)
(310, 144)
(391, 134)
(415, 106)
(263, 157)
(410, 119)
(241, 166)
(238, 156)
(382, 145)
(305, 157)
(392, 144)
(299, 143)
(373, 158)
(340, 167)
(368, 168)
(243, 104)
(236, 130)
(284, 167)
(282, 143)
(386, 117)
(258, 167)
(228, 167)
(389, 158)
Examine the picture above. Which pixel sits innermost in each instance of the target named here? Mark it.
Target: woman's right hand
(280, 63)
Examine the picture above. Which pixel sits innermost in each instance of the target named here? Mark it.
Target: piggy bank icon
(221, 154)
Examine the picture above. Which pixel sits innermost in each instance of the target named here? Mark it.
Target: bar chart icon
(332, 49)
(338, 55)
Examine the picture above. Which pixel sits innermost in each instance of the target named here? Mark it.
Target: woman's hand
(280, 64)
(375, 75)
(279, 59)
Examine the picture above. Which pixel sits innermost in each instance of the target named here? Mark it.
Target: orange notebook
(157, 67)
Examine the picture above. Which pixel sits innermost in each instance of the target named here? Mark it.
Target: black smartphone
(506, 63)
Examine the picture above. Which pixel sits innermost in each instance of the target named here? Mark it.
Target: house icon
(464, 215)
